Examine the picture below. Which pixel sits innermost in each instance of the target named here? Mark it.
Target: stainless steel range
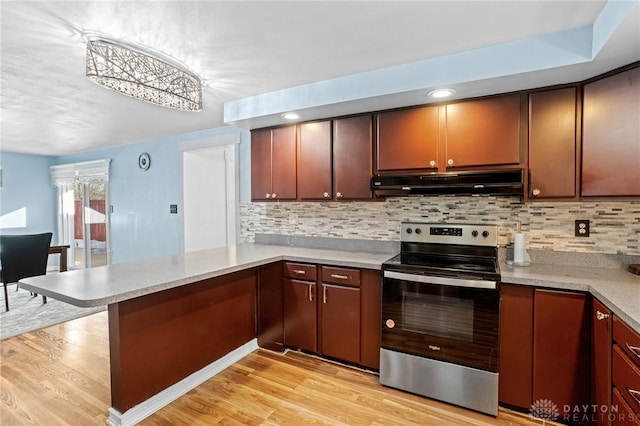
(440, 314)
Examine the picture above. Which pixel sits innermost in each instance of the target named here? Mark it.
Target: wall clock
(144, 161)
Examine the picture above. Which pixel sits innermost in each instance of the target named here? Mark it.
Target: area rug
(28, 313)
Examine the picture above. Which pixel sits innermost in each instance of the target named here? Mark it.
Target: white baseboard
(173, 392)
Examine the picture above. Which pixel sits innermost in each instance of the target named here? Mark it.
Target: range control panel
(442, 233)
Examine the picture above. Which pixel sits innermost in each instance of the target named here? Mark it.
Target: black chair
(23, 256)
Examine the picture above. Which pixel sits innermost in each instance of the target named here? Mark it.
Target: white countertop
(618, 289)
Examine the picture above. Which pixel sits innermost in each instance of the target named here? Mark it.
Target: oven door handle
(430, 279)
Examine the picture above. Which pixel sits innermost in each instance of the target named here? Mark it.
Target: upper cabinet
(611, 136)
(552, 144)
(407, 139)
(352, 157)
(273, 164)
(483, 132)
(314, 153)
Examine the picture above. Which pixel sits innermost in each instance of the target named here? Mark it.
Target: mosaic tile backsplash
(615, 226)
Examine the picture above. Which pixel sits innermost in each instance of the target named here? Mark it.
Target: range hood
(484, 182)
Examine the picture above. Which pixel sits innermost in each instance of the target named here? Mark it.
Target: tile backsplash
(615, 226)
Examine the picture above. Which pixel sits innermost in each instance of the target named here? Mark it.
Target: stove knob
(418, 230)
(474, 233)
(409, 230)
(485, 234)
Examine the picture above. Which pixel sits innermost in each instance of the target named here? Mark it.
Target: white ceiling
(244, 49)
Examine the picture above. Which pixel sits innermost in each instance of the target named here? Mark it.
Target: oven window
(438, 315)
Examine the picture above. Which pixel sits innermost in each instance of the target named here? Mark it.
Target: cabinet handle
(340, 277)
(535, 192)
(324, 294)
(268, 195)
(339, 194)
(325, 195)
(310, 293)
(449, 162)
(273, 195)
(299, 272)
(635, 395)
(432, 163)
(634, 349)
(600, 315)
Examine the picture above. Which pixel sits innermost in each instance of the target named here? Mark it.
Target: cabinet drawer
(301, 271)
(627, 339)
(625, 415)
(626, 378)
(345, 276)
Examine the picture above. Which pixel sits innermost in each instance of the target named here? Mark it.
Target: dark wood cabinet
(611, 136)
(601, 340)
(270, 307)
(371, 318)
(273, 164)
(314, 159)
(352, 158)
(300, 315)
(561, 343)
(625, 373)
(516, 346)
(340, 322)
(407, 139)
(552, 144)
(483, 132)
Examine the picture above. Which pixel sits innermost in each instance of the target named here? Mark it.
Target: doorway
(209, 197)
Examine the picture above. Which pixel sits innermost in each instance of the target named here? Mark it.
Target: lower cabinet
(544, 348)
(270, 313)
(625, 374)
(332, 311)
(601, 337)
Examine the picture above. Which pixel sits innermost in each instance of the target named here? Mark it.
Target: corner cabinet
(601, 338)
(273, 164)
(483, 132)
(552, 144)
(611, 136)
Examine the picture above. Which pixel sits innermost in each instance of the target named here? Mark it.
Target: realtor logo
(544, 409)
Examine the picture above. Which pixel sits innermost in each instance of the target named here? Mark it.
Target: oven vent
(485, 182)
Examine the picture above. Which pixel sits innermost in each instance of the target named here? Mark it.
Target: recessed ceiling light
(441, 93)
(290, 115)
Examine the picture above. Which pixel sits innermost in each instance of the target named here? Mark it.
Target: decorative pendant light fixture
(142, 74)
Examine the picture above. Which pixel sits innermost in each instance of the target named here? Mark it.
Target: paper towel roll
(519, 251)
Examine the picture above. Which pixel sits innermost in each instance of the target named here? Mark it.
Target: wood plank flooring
(60, 376)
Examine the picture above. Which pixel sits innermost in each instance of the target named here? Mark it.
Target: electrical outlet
(293, 219)
(582, 228)
(173, 209)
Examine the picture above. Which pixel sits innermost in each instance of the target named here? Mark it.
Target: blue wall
(141, 225)
(27, 185)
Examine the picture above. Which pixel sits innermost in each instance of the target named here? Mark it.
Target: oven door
(449, 319)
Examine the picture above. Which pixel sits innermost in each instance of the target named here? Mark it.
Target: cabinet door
(407, 139)
(300, 323)
(284, 163)
(261, 164)
(483, 132)
(352, 158)
(314, 150)
(270, 309)
(601, 340)
(516, 346)
(552, 143)
(340, 319)
(371, 314)
(561, 337)
(611, 136)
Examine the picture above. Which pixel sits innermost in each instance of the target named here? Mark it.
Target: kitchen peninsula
(173, 317)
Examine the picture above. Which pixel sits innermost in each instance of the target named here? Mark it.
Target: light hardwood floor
(60, 376)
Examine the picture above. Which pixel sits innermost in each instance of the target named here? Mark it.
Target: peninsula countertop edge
(618, 289)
